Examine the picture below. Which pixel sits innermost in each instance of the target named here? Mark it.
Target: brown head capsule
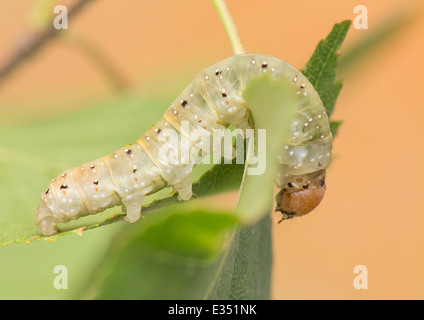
(298, 202)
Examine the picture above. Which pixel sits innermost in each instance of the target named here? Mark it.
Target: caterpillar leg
(45, 221)
(48, 226)
(133, 208)
(245, 124)
(228, 152)
(227, 149)
(184, 188)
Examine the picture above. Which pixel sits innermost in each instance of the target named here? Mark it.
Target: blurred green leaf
(404, 15)
(186, 252)
(174, 254)
(321, 67)
(334, 127)
(41, 15)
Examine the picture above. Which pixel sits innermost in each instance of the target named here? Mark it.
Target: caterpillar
(212, 101)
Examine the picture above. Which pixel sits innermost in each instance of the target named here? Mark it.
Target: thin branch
(229, 25)
(105, 65)
(35, 42)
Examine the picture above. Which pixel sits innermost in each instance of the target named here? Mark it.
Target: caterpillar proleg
(212, 101)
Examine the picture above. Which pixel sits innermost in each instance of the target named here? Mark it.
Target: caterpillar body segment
(213, 101)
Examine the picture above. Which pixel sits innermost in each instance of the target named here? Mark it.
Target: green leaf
(273, 106)
(186, 252)
(321, 67)
(246, 270)
(334, 127)
(174, 254)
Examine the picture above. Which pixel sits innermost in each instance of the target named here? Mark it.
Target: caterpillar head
(295, 202)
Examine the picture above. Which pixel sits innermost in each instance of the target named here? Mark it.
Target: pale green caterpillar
(212, 101)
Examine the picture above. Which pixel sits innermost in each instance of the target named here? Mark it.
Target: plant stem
(229, 25)
(99, 58)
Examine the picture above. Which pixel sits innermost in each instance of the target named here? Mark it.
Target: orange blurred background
(372, 214)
